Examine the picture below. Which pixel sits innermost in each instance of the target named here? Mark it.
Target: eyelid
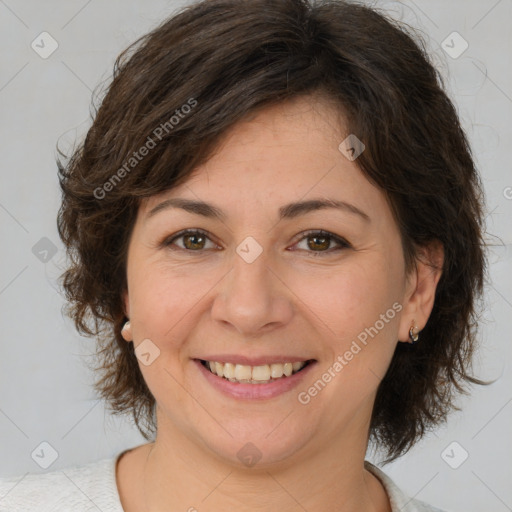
(322, 232)
(167, 241)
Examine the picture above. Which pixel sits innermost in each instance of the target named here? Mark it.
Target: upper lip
(254, 361)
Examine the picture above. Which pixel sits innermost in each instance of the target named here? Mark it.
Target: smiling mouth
(263, 374)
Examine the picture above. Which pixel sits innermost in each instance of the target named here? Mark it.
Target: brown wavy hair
(227, 59)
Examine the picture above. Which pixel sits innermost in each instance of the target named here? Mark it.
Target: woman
(275, 233)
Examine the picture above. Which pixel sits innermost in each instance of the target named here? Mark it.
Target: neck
(315, 480)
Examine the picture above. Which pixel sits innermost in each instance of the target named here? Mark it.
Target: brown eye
(317, 242)
(320, 242)
(192, 240)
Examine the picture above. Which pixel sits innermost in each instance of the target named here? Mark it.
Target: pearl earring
(126, 331)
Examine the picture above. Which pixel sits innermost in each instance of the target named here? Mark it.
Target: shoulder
(400, 502)
(79, 488)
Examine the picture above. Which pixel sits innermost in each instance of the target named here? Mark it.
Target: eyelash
(343, 244)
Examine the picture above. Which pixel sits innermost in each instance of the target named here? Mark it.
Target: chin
(258, 447)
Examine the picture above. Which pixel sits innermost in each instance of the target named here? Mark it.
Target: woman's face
(260, 285)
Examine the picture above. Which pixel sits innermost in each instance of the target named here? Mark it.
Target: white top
(92, 487)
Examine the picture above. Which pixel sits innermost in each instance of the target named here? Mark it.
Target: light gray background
(45, 387)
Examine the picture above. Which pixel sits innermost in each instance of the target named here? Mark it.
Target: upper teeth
(242, 372)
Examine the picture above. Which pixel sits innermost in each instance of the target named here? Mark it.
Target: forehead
(284, 152)
(306, 126)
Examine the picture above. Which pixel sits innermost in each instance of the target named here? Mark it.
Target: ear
(126, 303)
(126, 331)
(421, 289)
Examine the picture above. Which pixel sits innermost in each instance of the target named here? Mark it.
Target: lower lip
(245, 391)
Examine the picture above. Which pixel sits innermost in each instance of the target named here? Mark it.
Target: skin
(203, 298)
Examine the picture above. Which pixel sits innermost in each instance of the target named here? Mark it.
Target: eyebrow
(289, 211)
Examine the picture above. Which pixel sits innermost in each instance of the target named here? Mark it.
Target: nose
(253, 298)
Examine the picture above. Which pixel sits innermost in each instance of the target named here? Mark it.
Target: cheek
(340, 301)
(359, 313)
(349, 298)
(167, 300)
(159, 305)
